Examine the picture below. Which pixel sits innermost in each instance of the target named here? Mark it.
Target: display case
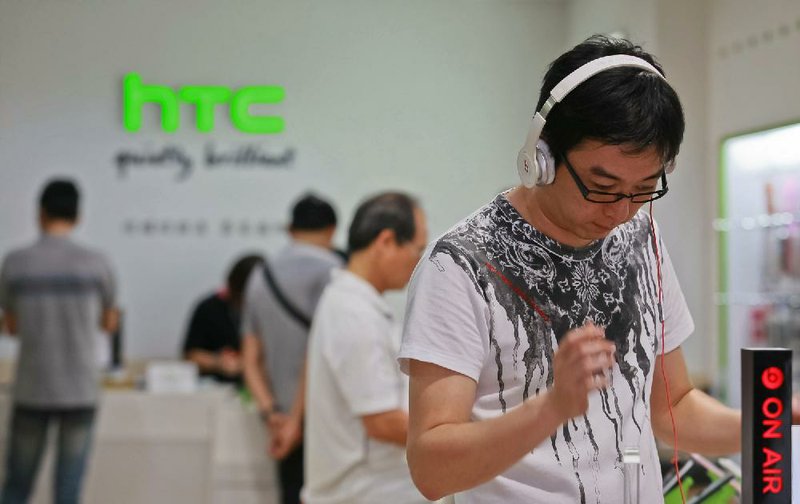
(758, 230)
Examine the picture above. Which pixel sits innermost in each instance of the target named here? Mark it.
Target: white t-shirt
(353, 372)
(492, 298)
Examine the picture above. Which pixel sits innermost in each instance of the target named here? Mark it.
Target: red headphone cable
(663, 370)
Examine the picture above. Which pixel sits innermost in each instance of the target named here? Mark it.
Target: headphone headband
(594, 67)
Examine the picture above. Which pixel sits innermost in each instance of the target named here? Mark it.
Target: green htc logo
(204, 98)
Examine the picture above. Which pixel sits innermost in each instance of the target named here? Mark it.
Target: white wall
(429, 97)
(632, 19)
(685, 217)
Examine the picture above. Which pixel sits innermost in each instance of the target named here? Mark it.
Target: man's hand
(276, 420)
(229, 363)
(286, 433)
(796, 409)
(580, 366)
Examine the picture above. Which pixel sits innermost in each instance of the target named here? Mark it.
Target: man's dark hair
(59, 199)
(620, 106)
(239, 273)
(391, 210)
(312, 213)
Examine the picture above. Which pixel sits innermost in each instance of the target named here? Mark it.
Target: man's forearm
(109, 320)
(256, 382)
(205, 360)
(479, 451)
(299, 404)
(10, 323)
(704, 425)
(389, 426)
(255, 376)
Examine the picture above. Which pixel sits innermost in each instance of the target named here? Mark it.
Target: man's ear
(386, 238)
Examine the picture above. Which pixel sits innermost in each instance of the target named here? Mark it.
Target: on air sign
(205, 100)
(766, 425)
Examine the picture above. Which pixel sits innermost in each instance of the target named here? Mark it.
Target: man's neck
(58, 228)
(314, 239)
(536, 211)
(362, 265)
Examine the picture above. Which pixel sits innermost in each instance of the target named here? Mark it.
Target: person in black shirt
(212, 339)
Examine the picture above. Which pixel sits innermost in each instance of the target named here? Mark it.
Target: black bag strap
(287, 305)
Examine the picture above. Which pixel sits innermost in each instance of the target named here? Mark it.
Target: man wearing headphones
(543, 332)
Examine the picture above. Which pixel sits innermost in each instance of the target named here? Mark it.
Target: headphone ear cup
(527, 169)
(546, 164)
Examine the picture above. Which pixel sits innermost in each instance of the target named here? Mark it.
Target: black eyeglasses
(607, 197)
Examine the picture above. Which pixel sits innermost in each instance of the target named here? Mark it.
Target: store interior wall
(684, 216)
(429, 97)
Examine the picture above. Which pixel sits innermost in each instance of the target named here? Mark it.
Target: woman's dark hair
(59, 199)
(239, 273)
(621, 106)
(391, 210)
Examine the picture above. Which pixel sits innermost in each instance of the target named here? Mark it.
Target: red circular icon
(772, 377)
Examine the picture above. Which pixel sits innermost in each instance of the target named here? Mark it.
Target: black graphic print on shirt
(545, 289)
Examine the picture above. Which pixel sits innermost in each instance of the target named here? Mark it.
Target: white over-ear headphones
(535, 162)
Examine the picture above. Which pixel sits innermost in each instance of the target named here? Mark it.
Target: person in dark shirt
(212, 339)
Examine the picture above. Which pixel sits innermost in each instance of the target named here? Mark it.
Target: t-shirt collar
(531, 233)
(50, 237)
(309, 249)
(357, 286)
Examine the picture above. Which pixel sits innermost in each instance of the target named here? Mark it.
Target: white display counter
(204, 447)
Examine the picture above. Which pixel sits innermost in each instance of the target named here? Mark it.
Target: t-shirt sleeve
(322, 281)
(255, 285)
(679, 324)
(447, 318)
(198, 335)
(363, 365)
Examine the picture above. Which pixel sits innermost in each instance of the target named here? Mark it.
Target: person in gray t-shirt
(55, 295)
(279, 301)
